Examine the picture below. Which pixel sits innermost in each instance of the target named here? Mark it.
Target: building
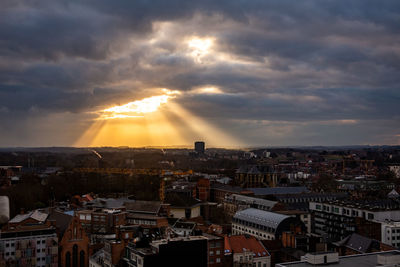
(395, 169)
(178, 252)
(256, 176)
(219, 191)
(301, 201)
(29, 240)
(357, 244)
(199, 147)
(190, 211)
(74, 242)
(332, 259)
(215, 253)
(390, 233)
(338, 219)
(247, 251)
(264, 224)
(4, 209)
(236, 202)
(101, 220)
(303, 216)
(203, 189)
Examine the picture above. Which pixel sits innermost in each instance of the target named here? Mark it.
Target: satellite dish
(4, 209)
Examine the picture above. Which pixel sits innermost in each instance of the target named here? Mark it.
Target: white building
(391, 233)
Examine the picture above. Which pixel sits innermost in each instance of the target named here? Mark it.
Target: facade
(264, 224)
(203, 189)
(101, 220)
(29, 240)
(390, 232)
(199, 147)
(185, 212)
(256, 176)
(339, 219)
(215, 246)
(74, 245)
(247, 251)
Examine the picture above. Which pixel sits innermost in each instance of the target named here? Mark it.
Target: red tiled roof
(241, 243)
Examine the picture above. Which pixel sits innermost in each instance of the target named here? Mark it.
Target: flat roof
(365, 260)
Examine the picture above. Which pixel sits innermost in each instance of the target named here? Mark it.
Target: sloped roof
(141, 206)
(279, 190)
(261, 217)
(244, 243)
(62, 220)
(36, 215)
(359, 243)
(251, 200)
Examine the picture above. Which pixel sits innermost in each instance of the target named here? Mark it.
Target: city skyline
(230, 73)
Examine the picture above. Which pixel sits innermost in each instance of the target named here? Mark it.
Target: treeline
(33, 192)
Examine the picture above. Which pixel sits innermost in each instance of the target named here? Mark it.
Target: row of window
(344, 211)
(240, 230)
(217, 252)
(254, 225)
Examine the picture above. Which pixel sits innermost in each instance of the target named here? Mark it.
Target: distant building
(264, 224)
(338, 219)
(199, 147)
(256, 176)
(247, 251)
(395, 169)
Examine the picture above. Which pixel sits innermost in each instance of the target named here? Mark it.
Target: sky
(233, 73)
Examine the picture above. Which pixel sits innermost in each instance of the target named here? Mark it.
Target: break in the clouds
(281, 72)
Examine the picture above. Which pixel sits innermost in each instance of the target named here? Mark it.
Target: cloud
(309, 61)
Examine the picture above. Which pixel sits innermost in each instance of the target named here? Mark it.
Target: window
(82, 259)
(82, 216)
(217, 260)
(218, 252)
(370, 216)
(211, 253)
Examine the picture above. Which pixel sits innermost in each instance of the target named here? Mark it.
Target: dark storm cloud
(275, 60)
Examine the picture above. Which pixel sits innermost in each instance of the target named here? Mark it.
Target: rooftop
(266, 218)
(364, 260)
(252, 200)
(36, 215)
(279, 190)
(245, 243)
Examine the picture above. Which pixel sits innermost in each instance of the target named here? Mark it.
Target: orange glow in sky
(152, 121)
